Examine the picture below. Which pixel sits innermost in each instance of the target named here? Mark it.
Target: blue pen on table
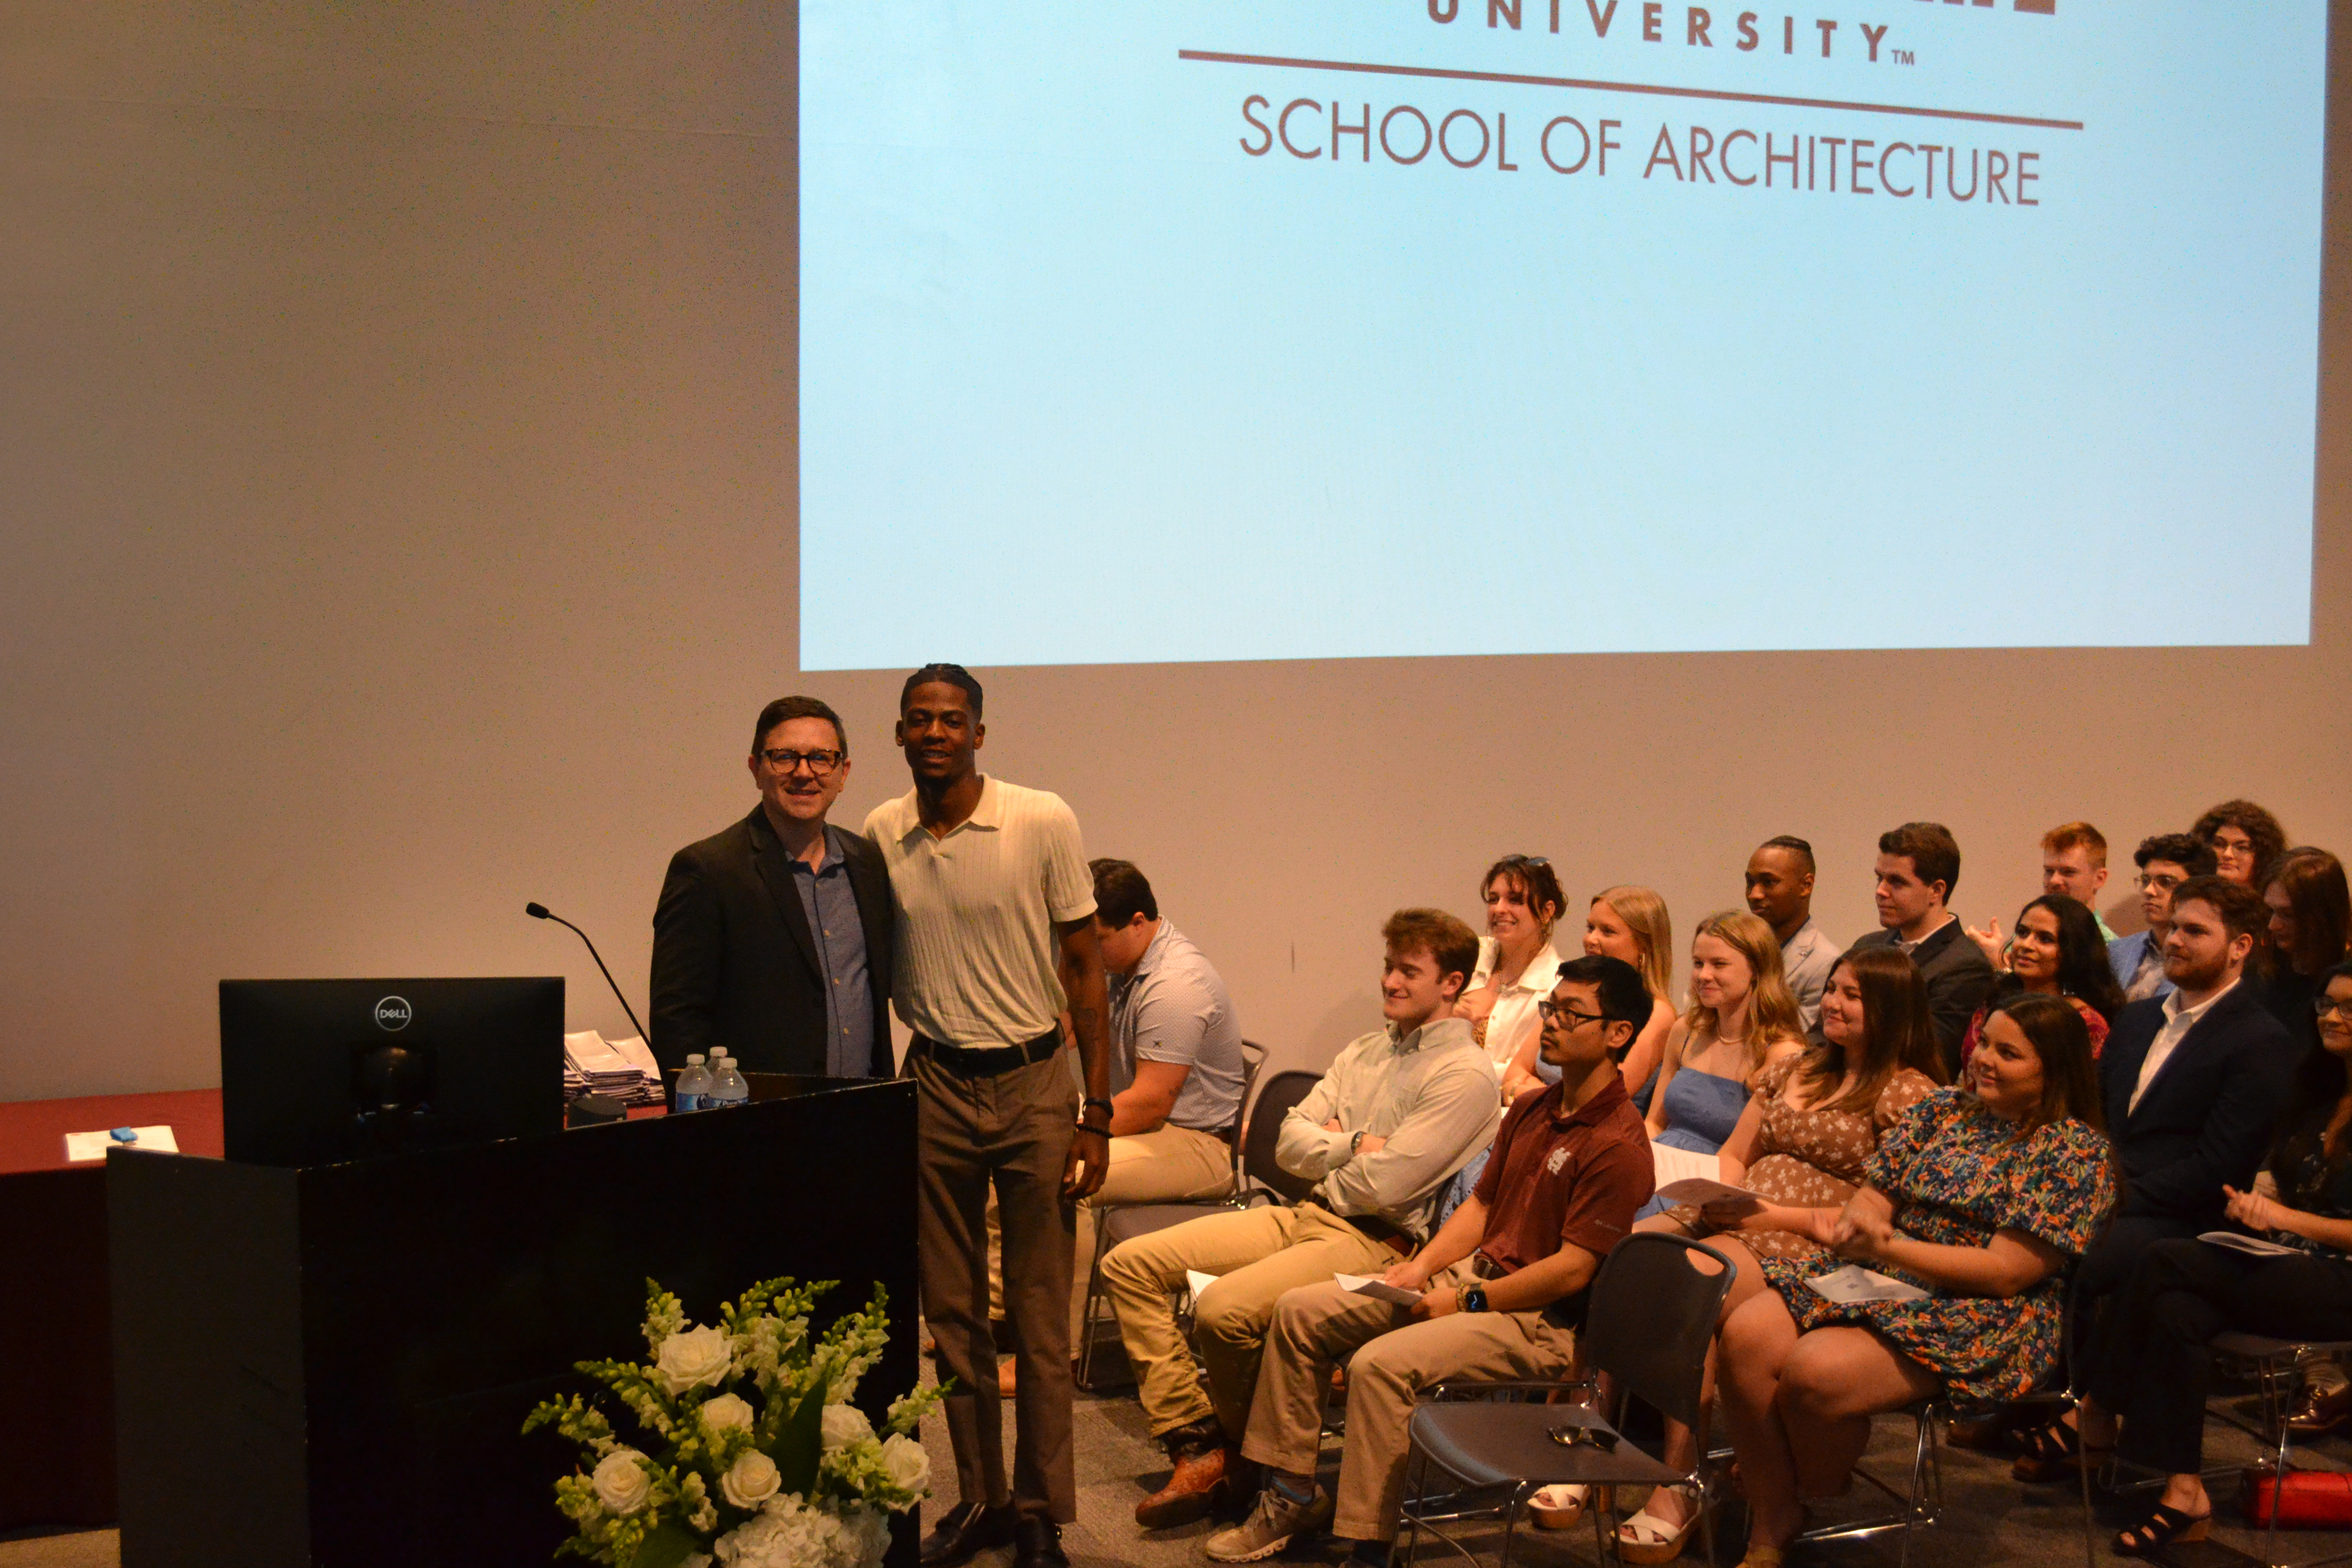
(124, 1135)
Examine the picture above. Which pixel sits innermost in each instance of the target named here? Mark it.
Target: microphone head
(537, 912)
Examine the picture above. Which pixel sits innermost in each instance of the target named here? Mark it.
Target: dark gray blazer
(735, 966)
(1957, 975)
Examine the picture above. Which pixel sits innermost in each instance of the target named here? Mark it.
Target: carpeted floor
(1987, 1518)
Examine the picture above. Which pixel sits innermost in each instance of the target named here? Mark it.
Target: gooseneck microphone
(541, 913)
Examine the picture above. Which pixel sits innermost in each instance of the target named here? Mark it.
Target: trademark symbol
(1905, 57)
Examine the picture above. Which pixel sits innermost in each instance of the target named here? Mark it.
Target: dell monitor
(318, 1072)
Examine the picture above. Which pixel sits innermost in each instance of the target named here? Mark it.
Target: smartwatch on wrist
(1473, 1297)
(1106, 1108)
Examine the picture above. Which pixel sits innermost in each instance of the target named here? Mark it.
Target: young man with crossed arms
(1504, 1284)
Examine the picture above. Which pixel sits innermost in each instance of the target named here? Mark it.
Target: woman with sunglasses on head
(1632, 923)
(1803, 1144)
(1982, 1197)
(2152, 1372)
(1517, 961)
(2057, 951)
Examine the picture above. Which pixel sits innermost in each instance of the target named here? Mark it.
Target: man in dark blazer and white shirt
(2192, 1083)
(774, 940)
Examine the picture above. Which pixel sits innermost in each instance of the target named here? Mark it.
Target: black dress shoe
(1038, 1544)
(965, 1530)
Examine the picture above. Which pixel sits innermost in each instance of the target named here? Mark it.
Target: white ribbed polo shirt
(976, 964)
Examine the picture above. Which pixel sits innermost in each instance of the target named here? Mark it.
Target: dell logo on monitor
(394, 1013)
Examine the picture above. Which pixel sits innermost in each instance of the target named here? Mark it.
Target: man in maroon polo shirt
(1501, 1283)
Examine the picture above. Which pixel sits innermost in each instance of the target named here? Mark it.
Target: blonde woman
(1742, 1019)
(1631, 924)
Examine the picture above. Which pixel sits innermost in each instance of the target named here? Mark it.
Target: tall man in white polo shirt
(996, 908)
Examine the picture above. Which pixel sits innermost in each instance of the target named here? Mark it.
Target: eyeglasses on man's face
(819, 763)
(1568, 1017)
(2166, 884)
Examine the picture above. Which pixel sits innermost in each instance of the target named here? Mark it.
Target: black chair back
(1652, 1315)
(1264, 1127)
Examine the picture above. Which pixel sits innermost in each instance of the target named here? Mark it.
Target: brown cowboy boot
(1206, 1469)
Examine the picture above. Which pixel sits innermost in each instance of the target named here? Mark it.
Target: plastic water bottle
(727, 1085)
(694, 1085)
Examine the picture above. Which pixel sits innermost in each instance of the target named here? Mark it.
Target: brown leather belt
(992, 1061)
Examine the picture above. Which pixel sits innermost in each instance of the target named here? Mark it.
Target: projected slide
(1184, 330)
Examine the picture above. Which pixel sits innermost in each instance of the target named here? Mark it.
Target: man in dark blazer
(774, 940)
(1918, 867)
(2193, 1083)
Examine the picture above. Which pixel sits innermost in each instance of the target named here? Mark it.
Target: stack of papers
(623, 1069)
(2239, 1241)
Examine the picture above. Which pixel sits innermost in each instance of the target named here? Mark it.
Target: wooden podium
(333, 1364)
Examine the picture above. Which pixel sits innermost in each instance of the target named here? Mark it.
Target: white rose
(751, 1480)
(621, 1482)
(693, 1359)
(726, 1413)
(845, 1425)
(907, 1464)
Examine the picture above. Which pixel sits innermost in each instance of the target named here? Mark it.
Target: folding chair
(1647, 1327)
(2276, 1364)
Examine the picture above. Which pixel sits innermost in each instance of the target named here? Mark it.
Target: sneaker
(1277, 1519)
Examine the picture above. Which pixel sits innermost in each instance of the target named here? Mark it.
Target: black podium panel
(331, 1365)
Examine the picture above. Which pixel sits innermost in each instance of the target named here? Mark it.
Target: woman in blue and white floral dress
(1981, 1195)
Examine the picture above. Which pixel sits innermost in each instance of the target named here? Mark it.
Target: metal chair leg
(1417, 1486)
(1086, 1314)
(2278, 1413)
(2083, 1474)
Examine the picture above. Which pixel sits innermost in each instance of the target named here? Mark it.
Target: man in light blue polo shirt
(1176, 1068)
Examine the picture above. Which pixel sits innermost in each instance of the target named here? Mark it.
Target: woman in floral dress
(1981, 1195)
(1801, 1144)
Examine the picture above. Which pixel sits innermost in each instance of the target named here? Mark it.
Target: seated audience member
(1981, 1195)
(1918, 866)
(2245, 839)
(1630, 924)
(1176, 1066)
(1803, 1144)
(2153, 1371)
(1503, 1286)
(2192, 1087)
(2074, 866)
(1741, 1021)
(1401, 1110)
(1781, 894)
(2165, 862)
(2058, 952)
(2310, 917)
(1516, 963)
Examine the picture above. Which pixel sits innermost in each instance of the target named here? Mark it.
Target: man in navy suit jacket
(2166, 861)
(2192, 1084)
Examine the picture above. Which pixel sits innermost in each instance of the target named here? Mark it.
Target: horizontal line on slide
(1213, 57)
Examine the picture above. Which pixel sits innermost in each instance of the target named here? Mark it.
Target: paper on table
(1685, 1164)
(81, 1146)
(2239, 1241)
(1702, 1191)
(639, 1055)
(1852, 1285)
(1370, 1285)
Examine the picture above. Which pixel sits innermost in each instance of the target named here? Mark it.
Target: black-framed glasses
(2322, 1009)
(1525, 861)
(819, 763)
(1553, 1012)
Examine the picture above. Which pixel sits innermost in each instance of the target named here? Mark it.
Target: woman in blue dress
(1742, 1019)
(1981, 1195)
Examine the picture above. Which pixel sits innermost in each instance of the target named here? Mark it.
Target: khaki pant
(1165, 1165)
(1008, 1135)
(1257, 1254)
(1393, 1358)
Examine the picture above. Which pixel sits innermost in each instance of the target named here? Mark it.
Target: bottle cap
(694, 1058)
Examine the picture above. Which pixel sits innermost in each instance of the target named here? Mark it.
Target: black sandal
(2160, 1530)
(2054, 1453)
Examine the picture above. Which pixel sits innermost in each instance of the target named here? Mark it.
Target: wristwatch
(1473, 1297)
(1355, 1144)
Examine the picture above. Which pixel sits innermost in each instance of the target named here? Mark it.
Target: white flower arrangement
(784, 1474)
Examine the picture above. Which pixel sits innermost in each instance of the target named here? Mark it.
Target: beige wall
(396, 511)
